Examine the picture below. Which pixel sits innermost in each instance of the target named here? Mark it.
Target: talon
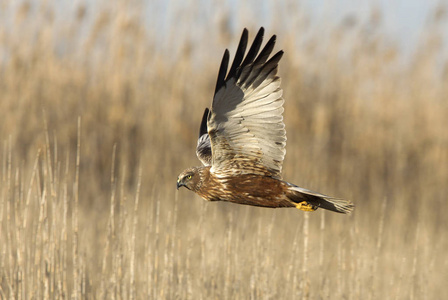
(305, 206)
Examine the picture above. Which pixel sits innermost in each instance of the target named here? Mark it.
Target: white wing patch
(245, 124)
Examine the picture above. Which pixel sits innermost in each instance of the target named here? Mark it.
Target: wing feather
(253, 51)
(220, 82)
(203, 148)
(239, 54)
(245, 124)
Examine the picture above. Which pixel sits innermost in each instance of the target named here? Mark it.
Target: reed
(101, 111)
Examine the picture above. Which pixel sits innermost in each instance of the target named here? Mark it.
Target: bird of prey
(242, 138)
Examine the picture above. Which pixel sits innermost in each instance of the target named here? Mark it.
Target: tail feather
(299, 195)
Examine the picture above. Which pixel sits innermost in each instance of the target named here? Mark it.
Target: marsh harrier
(242, 138)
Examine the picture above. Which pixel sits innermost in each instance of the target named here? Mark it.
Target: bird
(242, 137)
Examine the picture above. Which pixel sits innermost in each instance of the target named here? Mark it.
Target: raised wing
(203, 149)
(245, 123)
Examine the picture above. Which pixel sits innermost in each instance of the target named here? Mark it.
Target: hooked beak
(179, 184)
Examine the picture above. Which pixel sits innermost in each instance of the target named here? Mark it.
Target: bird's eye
(189, 177)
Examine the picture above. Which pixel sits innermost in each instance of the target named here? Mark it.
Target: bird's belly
(248, 199)
(249, 190)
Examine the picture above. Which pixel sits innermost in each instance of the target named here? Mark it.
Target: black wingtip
(203, 129)
(222, 71)
(239, 55)
(240, 62)
(267, 50)
(253, 51)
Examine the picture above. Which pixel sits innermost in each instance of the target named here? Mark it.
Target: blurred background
(101, 103)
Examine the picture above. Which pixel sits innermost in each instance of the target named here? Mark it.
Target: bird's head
(190, 178)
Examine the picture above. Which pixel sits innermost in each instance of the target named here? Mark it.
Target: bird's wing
(204, 148)
(245, 123)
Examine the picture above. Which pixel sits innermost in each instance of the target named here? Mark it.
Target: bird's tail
(309, 201)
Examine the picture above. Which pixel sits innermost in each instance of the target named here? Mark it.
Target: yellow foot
(305, 206)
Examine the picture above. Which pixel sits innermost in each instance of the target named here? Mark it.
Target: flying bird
(242, 138)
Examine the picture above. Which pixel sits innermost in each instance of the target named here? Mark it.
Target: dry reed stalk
(48, 153)
(118, 258)
(21, 260)
(292, 273)
(267, 266)
(172, 258)
(113, 192)
(353, 263)
(377, 248)
(431, 260)
(321, 253)
(165, 276)
(18, 199)
(7, 250)
(39, 241)
(400, 279)
(155, 287)
(148, 245)
(9, 193)
(203, 249)
(339, 270)
(415, 284)
(49, 237)
(305, 283)
(76, 293)
(109, 250)
(64, 231)
(2, 294)
(257, 273)
(228, 261)
(134, 229)
(3, 200)
(115, 272)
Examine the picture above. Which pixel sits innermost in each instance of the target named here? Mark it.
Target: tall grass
(98, 120)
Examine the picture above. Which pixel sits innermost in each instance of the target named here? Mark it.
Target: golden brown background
(100, 111)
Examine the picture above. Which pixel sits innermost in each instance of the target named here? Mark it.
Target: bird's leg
(305, 206)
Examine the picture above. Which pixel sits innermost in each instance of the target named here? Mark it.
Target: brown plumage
(242, 138)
